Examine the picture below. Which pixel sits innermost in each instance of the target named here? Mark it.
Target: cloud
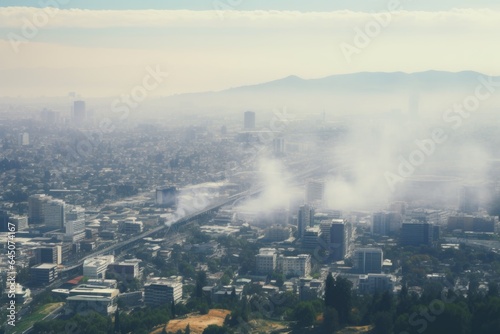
(15, 17)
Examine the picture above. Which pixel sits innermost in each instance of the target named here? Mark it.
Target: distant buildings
(54, 213)
(468, 200)
(75, 223)
(43, 274)
(49, 254)
(315, 192)
(128, 269)
(372, 283)
(340, 239)
(167, 197)
(249, 120)
(9, 221)
(305, 219)
(311, 238)
(35, 212)
(278, 233)
(467, 223)
(132, 226)
(23, 139)
(266, 260)
(299, 265)
(279, 146)
(161, 291)
(79, 113)
(96, 267)
(368, 260)
(416, 234)
(386, 223)
(92, 298)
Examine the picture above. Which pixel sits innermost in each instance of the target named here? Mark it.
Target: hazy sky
(102, 48)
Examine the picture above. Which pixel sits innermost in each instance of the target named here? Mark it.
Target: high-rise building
(279, 146)
(8, 221)
(161, 291)
(132, 226)
(265, 261)
(166, 197)
(54, 213)
(295, 265)
(79, 112)
(416, 234)
(127, 269)
(305, 219)
(23, 139)
(372, 283)
(315, 192)
(49, 254)
(249, 120)
(311, 238)
(35, 212)
(44, 274)
(4, 221)
(469, 202)
(368, 260)
(96, 267)
(340, 238)
(75, 220)
(386, 223)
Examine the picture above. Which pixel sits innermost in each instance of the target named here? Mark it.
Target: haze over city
(236, 166)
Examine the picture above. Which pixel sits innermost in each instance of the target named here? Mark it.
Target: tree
(172, 309)
(330, 320)
(329, 291)
(339, 296)
(214, 329)
(304, 314)
(383, 323)
(117, 321)
(201, 281)
(187, 330)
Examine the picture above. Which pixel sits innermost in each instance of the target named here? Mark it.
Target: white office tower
(96, 267)
(75, 222)
(54, 213)
(23, 139)
(296, 265)
(265, 261)
(315, 192)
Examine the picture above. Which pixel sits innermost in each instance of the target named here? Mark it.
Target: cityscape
(249, 183)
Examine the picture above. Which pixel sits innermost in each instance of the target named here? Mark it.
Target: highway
(183, 220)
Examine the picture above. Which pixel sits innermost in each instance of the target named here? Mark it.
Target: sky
(107, 48)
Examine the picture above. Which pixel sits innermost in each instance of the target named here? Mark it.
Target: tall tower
(35, 212)
(79, 113)
(249, 120)
(315, 192)
(305, 219)
(54, 213)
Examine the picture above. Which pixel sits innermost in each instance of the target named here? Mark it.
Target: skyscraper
(75, 221)
(340, 236)
(305, 219)
(79, 112)
(368, 260)
(54, 213)
(35, 212)
(468, 200)
(249, 120)
(416, 234)
(315, 192)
